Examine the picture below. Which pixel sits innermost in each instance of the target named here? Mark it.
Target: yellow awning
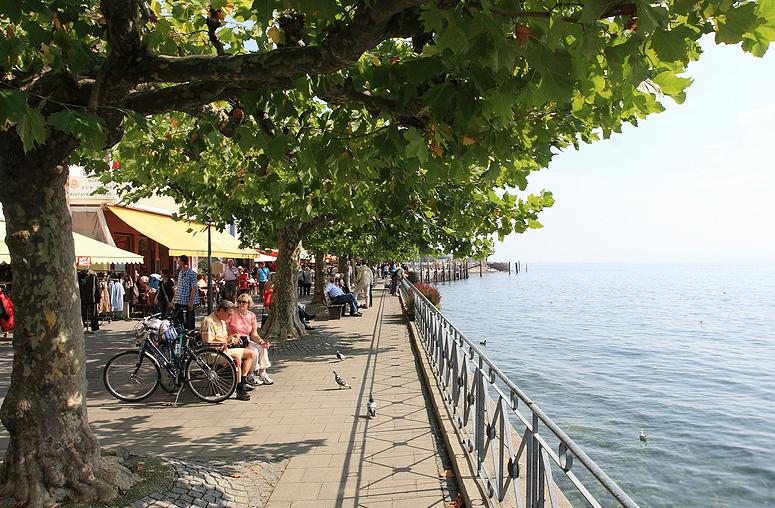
(175, 235)
(85, 247)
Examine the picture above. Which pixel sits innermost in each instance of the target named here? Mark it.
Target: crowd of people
(233, 326)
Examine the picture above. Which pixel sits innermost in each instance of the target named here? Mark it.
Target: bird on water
(340, 381)
(643, 437)
(483, 342)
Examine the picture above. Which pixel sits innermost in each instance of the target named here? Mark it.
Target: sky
(695, 183)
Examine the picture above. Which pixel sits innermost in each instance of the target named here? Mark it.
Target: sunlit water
(685, 353)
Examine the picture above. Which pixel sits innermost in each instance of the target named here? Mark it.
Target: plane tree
(440, 88)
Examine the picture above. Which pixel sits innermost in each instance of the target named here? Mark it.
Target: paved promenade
(300, 442)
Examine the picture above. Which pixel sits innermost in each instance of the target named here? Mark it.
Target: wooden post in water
(480, 268)
(509, 263)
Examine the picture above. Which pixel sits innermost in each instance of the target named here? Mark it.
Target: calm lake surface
(685, 353)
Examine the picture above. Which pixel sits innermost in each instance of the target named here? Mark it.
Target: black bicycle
(172, 357)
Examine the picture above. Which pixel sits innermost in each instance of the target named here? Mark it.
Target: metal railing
(514, 468)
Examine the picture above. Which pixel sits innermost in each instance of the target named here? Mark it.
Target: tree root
(42, 478)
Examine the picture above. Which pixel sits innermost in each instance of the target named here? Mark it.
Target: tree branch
(213, 23)
(188, 98)
(409, 115)
(371, 24)
(122, 18)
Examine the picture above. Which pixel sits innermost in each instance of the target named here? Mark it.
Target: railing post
(532, 466)
(479, 417)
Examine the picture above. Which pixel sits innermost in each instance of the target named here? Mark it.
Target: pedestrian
(307, 280)
(186, 293)
(262, 276)
(166, 293)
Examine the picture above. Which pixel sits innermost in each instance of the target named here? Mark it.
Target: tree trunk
(284, 322)
(52, 454)
(321, 277)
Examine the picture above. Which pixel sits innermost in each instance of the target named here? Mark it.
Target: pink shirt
(241, 325)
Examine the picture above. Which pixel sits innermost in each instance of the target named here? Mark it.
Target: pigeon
(371, 407)
(483, 342)
(643, 437)
(340, 381)
(339, 356)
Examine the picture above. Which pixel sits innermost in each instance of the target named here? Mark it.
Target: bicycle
(170, 357)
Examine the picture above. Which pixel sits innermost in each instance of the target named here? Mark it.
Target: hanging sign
(84, 261)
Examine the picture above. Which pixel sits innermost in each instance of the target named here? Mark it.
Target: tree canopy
(415, 116)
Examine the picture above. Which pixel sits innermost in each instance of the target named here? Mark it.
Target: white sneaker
(265, 379)
(254, 380)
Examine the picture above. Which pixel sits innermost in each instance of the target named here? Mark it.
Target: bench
(335, 310)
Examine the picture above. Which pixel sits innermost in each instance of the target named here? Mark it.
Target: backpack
(6, 321)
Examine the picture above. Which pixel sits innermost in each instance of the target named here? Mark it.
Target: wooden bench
(335, 310)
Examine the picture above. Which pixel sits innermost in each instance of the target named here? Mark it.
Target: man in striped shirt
(186, 292)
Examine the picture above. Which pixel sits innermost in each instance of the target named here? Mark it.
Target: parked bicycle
(170, 356)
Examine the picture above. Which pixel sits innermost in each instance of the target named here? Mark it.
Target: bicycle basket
(140, 333)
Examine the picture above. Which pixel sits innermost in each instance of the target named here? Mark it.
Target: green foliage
(429, 137)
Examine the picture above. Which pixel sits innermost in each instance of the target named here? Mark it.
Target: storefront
(159, 238)
(89, 253)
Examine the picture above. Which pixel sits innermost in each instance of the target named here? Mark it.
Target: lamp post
(209, 271)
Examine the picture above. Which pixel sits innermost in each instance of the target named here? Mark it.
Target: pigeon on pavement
(339, 356)
(340, 381)
(372, 407)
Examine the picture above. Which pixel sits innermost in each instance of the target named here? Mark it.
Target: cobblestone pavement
(218, 483)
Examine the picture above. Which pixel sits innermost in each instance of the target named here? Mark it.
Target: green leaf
(12, 9)
(673, 85)
(84, 127)
(671, 46)
(452, 37)
(417, 146)
(592, 10)
(651, 17)
(13, 104)
(737, 22)
(31, 128)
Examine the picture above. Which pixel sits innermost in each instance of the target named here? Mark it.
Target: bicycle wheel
(211, 375)
(131, 377)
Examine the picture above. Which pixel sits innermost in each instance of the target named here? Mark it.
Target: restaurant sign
(85, 190)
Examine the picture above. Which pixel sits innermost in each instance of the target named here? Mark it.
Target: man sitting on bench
(340, 297)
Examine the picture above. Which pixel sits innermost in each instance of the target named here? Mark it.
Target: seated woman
(215, 332)
(242, 323)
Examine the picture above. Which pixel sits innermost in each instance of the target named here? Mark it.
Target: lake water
(685, 353)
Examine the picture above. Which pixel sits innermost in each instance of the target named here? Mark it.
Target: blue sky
(695, 183)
